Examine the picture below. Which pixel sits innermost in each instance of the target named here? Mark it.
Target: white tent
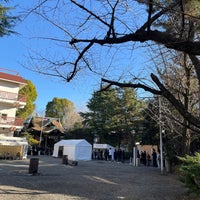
(13, 141)
(13, 145)
(74, 149)
(104, 146)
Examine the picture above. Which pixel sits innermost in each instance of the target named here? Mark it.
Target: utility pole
(41, 135)
(160, 131)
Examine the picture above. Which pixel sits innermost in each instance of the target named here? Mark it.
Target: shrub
(190, 172)
(30, 139)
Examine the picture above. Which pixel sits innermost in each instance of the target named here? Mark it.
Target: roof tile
(13, 78)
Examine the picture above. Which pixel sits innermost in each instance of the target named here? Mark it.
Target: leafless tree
(109, 30)
(71, 118)
(179, 77)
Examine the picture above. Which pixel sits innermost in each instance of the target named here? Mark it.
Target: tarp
(102, 146)
(74, 149)
(13, 141)
(147, 148)
(13, 144)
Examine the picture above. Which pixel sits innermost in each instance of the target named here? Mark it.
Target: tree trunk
(185, 149)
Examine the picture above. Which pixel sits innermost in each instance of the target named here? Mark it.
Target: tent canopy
(13, 146)
(74, 149)
(102, 146)
(13, 141)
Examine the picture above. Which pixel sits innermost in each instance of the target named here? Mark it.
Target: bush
(30, 139)
(190, 172)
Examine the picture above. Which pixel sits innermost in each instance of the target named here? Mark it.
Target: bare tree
(91, 28)
(179, 77)
(71, 118)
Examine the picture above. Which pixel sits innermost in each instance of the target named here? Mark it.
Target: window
(4, 116)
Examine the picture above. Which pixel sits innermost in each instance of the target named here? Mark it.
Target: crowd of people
(147, 159)
(144, 157)
(109, 155)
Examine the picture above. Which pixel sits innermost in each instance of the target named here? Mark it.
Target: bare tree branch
(149, 14)
(70, 77)
(152, 19)
(164, 92)
(138, 85)
(196, 64)
(164, 38)
(109, 21)
(111, 28)
(91, 13)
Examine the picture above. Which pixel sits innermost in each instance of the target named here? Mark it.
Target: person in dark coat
(154, 157)
(144, 158)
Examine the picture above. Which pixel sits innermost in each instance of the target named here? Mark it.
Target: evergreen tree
(113, 115)
(7, 22)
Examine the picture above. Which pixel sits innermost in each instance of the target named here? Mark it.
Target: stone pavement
(89, 180)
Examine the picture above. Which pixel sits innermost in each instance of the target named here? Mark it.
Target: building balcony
(11, 121)
(12, 98)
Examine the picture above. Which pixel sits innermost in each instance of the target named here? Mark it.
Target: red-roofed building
(10, 101)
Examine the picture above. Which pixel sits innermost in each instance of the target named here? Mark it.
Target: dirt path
(90, 180)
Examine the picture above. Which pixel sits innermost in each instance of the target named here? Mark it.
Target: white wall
(70, 151)
(83, 153)
(9, 87)
(10, 111)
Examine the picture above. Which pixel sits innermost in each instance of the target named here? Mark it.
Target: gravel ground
(89, 180)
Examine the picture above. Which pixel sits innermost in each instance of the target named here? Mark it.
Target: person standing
(145, 158)
(154, 157)
(131, 157)
(148, 160)
(106, 155)
(158, 159)
(110, 154)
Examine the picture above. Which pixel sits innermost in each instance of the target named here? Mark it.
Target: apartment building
(10, 101)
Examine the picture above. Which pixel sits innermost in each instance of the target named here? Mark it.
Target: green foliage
(113, 114)
(190, 171)
(150, 130)
(31, 95)
(80, 134)
(100, 106)
(192, 7)
(30, 139)
(58, 107)
(7, 22)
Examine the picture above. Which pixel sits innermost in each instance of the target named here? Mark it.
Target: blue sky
(14, 51)
(13, 54)
(15, 48)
